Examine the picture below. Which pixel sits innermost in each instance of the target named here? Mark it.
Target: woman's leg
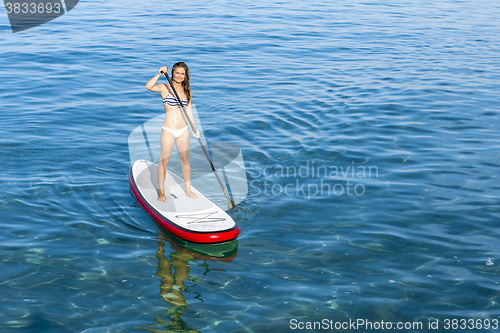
(182, 143)
(167, 144)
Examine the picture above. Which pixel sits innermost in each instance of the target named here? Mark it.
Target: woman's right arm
(151, 85)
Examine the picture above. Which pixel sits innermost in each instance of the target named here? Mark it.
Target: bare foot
(161, 196)
(191, 195)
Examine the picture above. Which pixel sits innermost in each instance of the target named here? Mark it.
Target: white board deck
(197, 215)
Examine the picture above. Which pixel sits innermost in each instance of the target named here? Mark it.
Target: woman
(174, 129)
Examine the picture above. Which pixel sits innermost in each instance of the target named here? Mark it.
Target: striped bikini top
(172, 100)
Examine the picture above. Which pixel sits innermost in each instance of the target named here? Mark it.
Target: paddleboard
(195, 220)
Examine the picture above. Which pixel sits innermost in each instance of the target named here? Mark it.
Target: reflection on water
(174, 271)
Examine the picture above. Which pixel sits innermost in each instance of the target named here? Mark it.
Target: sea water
(369, 135)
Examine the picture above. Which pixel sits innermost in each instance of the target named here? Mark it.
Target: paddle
(230, 203)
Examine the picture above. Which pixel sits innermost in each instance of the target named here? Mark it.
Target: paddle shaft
(230, 203)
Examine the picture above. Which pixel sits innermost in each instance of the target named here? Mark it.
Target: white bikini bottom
(176, 133)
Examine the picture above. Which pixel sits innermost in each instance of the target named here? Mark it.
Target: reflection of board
(195, 220)
(225, 251)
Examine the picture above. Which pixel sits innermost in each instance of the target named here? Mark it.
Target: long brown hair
(185, 83)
